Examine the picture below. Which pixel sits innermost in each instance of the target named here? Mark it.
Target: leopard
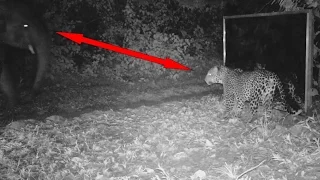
(258, 87)
(289, 81)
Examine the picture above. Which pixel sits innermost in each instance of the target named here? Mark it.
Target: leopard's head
(214, 75)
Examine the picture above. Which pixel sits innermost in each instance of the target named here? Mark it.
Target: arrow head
(78, 38)
(171, 64)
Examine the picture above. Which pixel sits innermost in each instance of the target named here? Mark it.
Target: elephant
(22, 30)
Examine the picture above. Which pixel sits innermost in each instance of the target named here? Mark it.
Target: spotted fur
(257, 87)
(289, 82)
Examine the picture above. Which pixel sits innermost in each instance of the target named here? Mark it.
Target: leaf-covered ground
(173, 132)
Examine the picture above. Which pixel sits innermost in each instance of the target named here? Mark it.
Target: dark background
(278, 42)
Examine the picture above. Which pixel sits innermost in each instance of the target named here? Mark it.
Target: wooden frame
(309, 46)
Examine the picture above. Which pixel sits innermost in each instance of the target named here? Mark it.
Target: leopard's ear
(215, 69)
(220, 67)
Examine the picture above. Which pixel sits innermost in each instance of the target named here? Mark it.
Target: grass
(182, 138)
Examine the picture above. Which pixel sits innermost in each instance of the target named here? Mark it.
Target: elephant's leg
(43, 56)
(8, 86)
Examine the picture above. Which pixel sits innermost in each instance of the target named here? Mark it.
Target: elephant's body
(22, 30)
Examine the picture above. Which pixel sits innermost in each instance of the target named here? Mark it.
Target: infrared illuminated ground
(154, 132)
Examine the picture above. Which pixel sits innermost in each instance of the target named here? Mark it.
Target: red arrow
(167, 63)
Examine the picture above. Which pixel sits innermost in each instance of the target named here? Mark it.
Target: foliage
(159, 28)
(289, 5)
(96, 19)
(153, 33)
(236, 7)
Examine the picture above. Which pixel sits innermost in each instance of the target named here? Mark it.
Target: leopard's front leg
(239, 107)
(254, 105)
(228, 101)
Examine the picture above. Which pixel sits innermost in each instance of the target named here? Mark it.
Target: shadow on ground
(72, 101)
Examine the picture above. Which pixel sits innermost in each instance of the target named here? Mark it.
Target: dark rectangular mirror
(281, 42)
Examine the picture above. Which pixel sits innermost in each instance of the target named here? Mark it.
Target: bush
(160, 28)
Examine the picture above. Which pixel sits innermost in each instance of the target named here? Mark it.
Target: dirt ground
(77, 98)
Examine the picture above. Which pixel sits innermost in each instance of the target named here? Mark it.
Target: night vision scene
(159, 90)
